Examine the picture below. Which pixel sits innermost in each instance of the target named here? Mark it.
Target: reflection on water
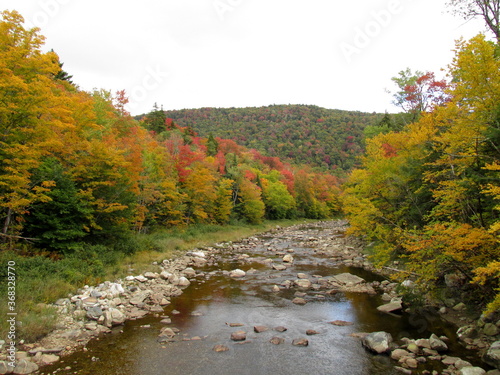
(208, 306)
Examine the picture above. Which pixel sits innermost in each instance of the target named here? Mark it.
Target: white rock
(237, 273)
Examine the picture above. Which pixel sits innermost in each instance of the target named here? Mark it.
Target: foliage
(328, 139)
(429, 191)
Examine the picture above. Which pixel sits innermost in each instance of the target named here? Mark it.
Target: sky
(246, 53)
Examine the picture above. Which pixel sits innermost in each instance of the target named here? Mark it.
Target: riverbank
(96, 310)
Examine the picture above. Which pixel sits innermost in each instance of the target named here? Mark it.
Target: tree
(489, 10)
(418, 92)
(156, 119)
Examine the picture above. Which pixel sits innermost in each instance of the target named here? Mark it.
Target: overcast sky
(245, 53)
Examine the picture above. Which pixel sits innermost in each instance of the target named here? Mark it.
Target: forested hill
(303, 134)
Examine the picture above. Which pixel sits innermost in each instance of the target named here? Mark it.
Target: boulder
(183, 281)
(288, 258)
(237, 273)
(303, 283)
(299, 301)
(437, 344)
(391, 307)
(472, 371)
(397, 354)
(490, 329)
(24, 366)
(348, 279)
(378, 342)
(239, 336)
(94, 312)
(113, 317)
(492, 356)
(5, 368)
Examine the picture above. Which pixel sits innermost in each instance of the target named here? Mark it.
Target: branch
(19, 237)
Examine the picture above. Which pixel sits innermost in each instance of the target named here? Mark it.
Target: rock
(139, 297)
(378, 342)
(260, 329)
(239, 336)
(467, 332)
(490, 329)
(113, 317)
(412, 347)
(24, 366)
(403, 370)
(279, 267)
(299, 301)
(45, 359)
(183, 281)
(448, 361)
(460, 307)
(302, 276)
(341, 323)
(460, 364)
(151, 275)
(411, 362)
(437, 344)
(472, 371)
(165, 275)
(492, 356)
(235, 324)
(220, 348)
(288, 258)
(423, 343)
(311, 332)
(276, 288)
(5, 368)
(189, 272)
(300, 342)
(141, 278)
(94, 312)
(166, 321)
(277, 340)
(348, 279)
(237, 273)
(390, 307)
(280, 329)
(397, 354)
(303, 283)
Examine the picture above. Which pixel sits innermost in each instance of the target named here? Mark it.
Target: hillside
(303, 134)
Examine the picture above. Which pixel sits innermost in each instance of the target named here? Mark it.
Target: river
(205, 312)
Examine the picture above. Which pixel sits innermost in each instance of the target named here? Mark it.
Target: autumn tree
(488, 10)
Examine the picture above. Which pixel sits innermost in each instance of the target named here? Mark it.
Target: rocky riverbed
(307, 266)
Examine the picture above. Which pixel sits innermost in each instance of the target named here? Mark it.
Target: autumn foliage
(429, 193)
(76, 168)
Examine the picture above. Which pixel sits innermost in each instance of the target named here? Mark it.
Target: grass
(41, 280)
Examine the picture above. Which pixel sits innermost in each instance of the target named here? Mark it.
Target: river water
(204, 312)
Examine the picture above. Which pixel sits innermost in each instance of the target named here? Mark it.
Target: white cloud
(250, 53)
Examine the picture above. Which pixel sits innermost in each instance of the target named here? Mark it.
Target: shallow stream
(204, 311)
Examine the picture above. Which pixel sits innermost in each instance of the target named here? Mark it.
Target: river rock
(492, 356)
(151, 275)
(391, 307)
(94, 312)
(302, 276)
(303, 283)
(45, 359)
(280, 329)
(300, 342)
(348, 279)
(311, 332)
(288, 258)
(299, 301)
(183, 281)
(220, 348)
(239, 336)
(378, 342)
(5, 368)
(490, 329)
(437, 344)
(472, 371)
(397, 354)
(277, 340)
(113, 317)
(276, 288)
(25, 366)
(139, 297)
(341, 323)
(237, 273)
(260, 329)
(279, 267)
